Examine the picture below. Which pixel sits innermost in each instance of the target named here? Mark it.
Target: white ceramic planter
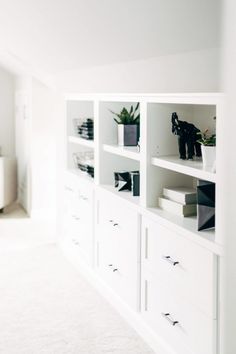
(209, 156)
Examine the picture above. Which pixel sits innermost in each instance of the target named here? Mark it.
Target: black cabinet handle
(170, 260)
(167, 316)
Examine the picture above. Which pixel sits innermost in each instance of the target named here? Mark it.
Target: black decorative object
(84, 130)
(122, 181)
(135, 183)
(85, 162)
(188, 135)
(206, 205)
(127, 181)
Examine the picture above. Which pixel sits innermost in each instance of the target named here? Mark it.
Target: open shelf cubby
(160, 178)
(78, 111)
(164, 144)
(109, 129)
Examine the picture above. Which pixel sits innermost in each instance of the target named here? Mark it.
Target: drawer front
(114, 273)
(114, 215)
(78, 217)
(185, 328)
(187, 268)
(118, 258)
(79, 252)
(119, 223)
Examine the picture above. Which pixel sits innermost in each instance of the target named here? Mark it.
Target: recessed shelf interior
(78, 110)
(190, 167)
(74, 149)
(111, 163)
(162, 141)
(82, 175)
(160, 178)
(127, 196)
(108, 127)
(131, 152)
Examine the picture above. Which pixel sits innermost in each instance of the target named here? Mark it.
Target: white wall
(7, 129)
(186, 72)
(227, 181)
(43, 152)
(23, 116)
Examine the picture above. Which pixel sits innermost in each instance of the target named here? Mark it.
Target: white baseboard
(158, 345)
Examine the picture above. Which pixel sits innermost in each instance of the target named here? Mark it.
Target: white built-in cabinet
(164, 271)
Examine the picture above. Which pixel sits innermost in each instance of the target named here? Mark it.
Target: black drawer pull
(167, 316)
(170, 260)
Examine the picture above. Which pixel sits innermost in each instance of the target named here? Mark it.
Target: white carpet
(46, 307)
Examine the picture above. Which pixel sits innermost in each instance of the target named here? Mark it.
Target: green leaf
(127, 117)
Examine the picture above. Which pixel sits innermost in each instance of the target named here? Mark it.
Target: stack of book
(181, 201)
(85, 130)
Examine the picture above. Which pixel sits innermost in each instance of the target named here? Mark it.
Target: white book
(183, 195)
(177, 208)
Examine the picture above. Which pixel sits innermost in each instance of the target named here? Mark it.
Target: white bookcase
(109, 211)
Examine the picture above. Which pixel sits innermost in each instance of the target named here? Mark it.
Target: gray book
(177, 208)
(183, 195)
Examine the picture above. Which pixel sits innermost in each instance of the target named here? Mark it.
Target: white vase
(209, 156)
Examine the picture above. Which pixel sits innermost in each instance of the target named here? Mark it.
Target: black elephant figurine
(188, 135)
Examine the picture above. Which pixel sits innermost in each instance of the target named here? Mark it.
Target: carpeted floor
(46, 307)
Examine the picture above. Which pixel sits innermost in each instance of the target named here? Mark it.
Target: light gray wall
(7, 124)
(68, 35)
(197, 71)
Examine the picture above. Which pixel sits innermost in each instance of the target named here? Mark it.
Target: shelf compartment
(186, 226)
(80, 141)
(83, 175)
(130, 152)
(190, 168)
(126, 196)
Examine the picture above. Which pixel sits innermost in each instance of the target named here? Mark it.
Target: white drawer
(114, 215)
(79, 235)
(79, 217)
(186, 329)
(118, 243)
(120, 223)
(188, 269)
(115, 274)
(79, 252)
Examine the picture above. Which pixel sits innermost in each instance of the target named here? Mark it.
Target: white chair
(8, 181)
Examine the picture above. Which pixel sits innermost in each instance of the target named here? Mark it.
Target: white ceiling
(60, 35)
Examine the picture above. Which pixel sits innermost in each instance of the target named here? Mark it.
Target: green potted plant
(208, 147)
(128, 126)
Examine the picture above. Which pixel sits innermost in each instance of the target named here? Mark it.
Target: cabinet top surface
(204, 96)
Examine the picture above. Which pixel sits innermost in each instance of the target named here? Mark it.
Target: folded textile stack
(181, 201)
